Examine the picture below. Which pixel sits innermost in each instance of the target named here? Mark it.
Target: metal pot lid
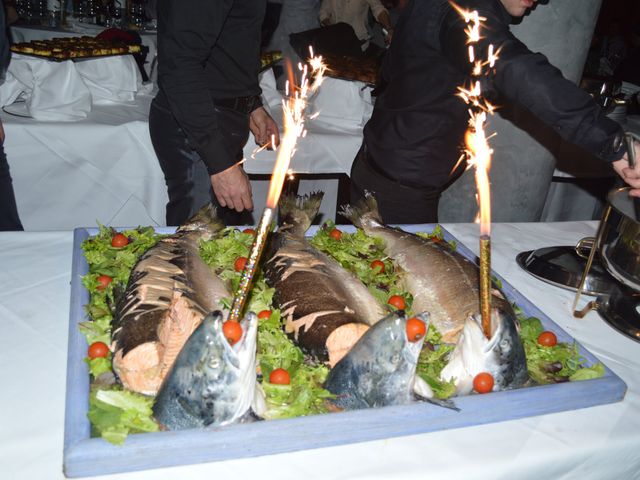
(563, 267)
(621, 310)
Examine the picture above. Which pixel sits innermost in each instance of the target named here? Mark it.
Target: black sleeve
(5, 54)
(528, 79)
(187, 33)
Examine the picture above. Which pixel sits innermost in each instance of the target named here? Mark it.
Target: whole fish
(380, 369)
(326, 308)
(445, 284)
(169, 292)
(502, 356)
(211, 383)
(441, 280)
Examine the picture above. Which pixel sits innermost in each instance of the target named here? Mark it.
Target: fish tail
(204, 219)
(365, 211)
(298, 212)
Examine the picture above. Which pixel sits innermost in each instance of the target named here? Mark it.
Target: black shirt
(416, 132)
(207, 49)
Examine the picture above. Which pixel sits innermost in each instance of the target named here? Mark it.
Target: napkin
(110, 79)
(53, 91)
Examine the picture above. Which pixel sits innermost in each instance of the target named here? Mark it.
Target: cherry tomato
(104, 281)
(280, 377)
(416, 329)
(232, 331)
(397, 301)
(249, 231)
(264, 314)
(335, 234)
(547, 339)
(379, 264)
(119, 240)
(483, 382)
(98, 350)
(240, 264)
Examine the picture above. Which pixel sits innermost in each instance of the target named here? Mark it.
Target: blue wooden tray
(84, 456)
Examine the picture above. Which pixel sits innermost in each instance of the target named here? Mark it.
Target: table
(104, 168)
(26, 33)
(594, 443)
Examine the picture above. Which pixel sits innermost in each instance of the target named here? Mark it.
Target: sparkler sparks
(293, 111)
(478, 152)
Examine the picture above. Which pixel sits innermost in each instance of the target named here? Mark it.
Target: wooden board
(84, 456)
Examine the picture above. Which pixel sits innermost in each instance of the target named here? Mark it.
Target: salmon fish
(502, 355)
(441, 280)
(380, 369)
(211, 383)
(169, 292)
(326, 308)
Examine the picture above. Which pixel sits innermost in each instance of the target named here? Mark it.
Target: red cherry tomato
(249, 231)
(119, 240)
(483, 382)
(240, 264)
(379, 264)
(280, 377)
(547, 339)
(397, 301)
(264, 314)
(232, 331)
(104, 281)
(98, 350)
(416, 329)
(335, 234)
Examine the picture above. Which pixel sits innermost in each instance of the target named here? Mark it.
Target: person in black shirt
(208, 99)
(414, 137)
(9, 219)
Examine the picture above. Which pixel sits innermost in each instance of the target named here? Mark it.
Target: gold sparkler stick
(257, 247)
(485, 283)
(479, 154)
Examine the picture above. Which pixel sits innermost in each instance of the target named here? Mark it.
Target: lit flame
(293, 119)
(477, 150)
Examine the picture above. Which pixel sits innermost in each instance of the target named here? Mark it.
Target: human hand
(264, 128)
(630, 175)
(388, 35)
(232, 188)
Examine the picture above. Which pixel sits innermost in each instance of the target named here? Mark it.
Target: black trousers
(398, 204)
(188, 182)
(9, 219)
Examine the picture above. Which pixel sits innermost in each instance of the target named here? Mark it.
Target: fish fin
(366, 207)
(205, 218)
(438, 402)
(259, 402)
(299, 211)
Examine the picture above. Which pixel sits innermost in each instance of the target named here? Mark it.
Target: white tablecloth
(104, 168)
(594, 443)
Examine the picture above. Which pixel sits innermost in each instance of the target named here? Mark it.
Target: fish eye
(504, 343)
(395, 358)
(214, 362)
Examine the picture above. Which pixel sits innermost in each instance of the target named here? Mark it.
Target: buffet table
(104, 168)
(597, 442)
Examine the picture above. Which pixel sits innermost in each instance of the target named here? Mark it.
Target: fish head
(205, 223)
(501, 355)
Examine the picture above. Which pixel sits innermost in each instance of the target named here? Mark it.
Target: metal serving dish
(563, 267)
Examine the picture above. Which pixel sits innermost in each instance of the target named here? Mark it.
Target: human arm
(527, 79)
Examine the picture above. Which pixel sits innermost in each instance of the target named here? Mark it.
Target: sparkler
(479, 153)
(293, 109)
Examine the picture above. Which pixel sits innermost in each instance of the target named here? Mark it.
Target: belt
(244, 105)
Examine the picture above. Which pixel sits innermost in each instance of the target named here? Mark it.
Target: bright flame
(477, 146)
(293, 118)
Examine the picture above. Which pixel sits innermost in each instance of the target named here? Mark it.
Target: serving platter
(84, 455)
